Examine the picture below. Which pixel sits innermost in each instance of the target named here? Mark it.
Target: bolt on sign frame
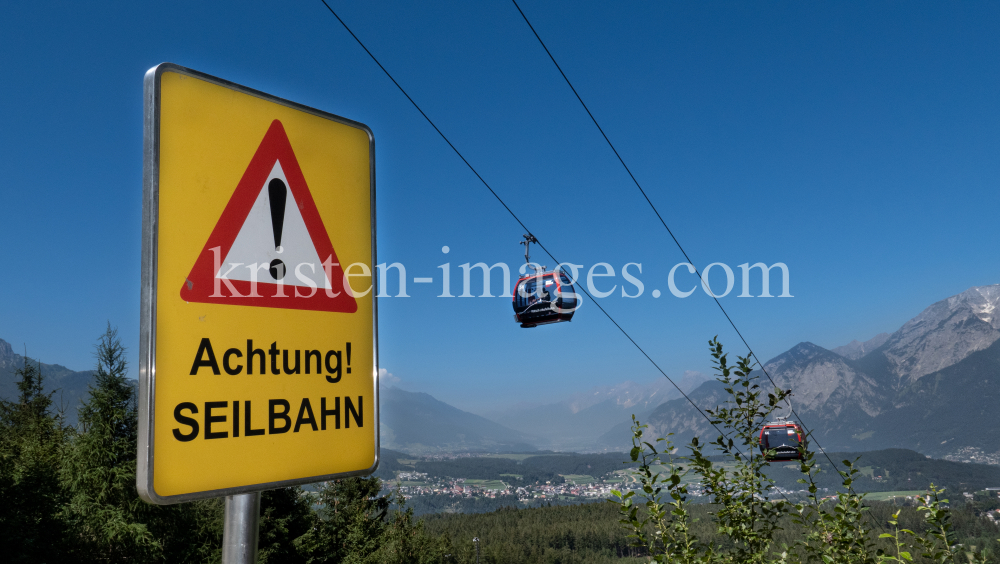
(296, 399)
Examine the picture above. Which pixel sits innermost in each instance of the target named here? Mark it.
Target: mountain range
(932, 386)
(70, 386)
(574, 423)
(419, 424)
(410, 421)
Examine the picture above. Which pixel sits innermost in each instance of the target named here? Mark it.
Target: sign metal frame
(147, 302)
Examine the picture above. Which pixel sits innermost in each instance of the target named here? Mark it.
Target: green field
(621, 477)
(579, 478)
(487, 484)
(887, 496)
(517, 457)
(517, 476)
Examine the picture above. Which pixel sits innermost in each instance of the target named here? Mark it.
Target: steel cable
(665, 226)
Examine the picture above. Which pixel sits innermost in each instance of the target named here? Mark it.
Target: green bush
(750, 522)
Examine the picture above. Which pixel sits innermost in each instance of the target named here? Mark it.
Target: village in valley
(575, 487)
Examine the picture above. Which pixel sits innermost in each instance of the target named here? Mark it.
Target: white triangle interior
(254, 245)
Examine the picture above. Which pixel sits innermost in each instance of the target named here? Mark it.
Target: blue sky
(856, 142)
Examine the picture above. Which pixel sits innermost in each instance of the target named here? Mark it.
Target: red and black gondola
(541, 298)
(783, 440)
(544, 297)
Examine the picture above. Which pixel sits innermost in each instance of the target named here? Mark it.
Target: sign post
(240, 529)
(259, 349)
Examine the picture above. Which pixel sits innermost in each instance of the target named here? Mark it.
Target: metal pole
(239, 532)
(476, 540)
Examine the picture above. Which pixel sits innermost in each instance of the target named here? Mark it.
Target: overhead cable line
(542, 246)
(518, 220)
(662, 221)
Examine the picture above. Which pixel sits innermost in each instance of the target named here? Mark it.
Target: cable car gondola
(780, 440)
(543, 297)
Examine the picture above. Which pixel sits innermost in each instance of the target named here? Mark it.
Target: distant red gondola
(781, 440)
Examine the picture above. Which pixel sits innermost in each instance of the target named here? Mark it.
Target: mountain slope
(676, 416)
(824, 382)
(71, 387)
(576, 422)
(417, 423)
(947, 410)
(827, 390)
(944, 334)
(856, 349)
(933, 385)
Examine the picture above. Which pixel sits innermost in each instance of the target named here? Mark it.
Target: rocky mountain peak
(7, 356)
(945, 333)
(803, 352)
(856, 349)
(935, 379)
(982, 301)
(820, 378)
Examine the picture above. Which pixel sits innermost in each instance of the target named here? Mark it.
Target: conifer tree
(105, 513)
(349, 523)
(356, 524)
(31, 445)
(285, 515)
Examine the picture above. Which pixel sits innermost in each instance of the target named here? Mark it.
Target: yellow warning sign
(259, 358)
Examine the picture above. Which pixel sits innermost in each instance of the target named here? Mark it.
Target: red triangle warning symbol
(270, 248)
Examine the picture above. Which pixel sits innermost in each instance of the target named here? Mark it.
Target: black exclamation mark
(277, 194)
(348, 358)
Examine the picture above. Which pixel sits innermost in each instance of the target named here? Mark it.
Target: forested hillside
(592, 534)
(895, 470)
(580, 534)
